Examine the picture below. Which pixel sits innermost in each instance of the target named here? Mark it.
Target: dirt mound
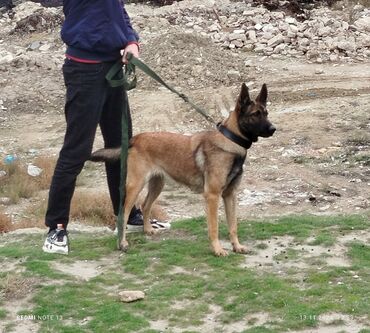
(209, 65)
(39, 21)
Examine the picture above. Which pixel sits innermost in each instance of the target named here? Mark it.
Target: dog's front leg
(230, 210)
(212, 200)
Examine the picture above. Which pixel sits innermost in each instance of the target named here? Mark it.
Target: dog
(208, 162)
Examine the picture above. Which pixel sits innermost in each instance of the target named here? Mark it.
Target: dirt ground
(317, 162)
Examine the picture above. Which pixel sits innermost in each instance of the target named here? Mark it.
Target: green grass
(183, 281)
(324, 239)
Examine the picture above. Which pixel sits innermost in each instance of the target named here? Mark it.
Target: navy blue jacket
(96, 29)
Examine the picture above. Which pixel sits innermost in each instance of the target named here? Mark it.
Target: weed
(5, 223)
(96, 208)
(17, 184)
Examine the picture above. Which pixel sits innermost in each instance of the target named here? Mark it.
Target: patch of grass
(363, 159)
(183, 297)
(3, 313)
(360, 254)
(302, 159)
(87, 300)
(288, 254)
(325, 239)
(259, 329)
(359, 138)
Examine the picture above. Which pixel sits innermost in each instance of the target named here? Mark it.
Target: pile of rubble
(325, 35)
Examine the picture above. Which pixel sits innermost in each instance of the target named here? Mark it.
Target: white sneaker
(56, 242)
(158, 225)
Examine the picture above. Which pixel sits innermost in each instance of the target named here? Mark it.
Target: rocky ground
(316, 68)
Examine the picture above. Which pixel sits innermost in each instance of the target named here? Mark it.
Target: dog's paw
(123, 246)
(220, 252)
(240, 249)
(150, 231)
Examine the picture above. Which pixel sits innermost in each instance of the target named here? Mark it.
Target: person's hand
(131, 48)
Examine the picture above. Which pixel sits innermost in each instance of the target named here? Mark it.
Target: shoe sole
(139, 228)
(57, 250)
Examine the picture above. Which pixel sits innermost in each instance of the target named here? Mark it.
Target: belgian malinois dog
(208, 162)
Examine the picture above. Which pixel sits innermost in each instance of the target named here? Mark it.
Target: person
(96, 34)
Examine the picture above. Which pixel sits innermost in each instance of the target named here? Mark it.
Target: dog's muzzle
(271, 130)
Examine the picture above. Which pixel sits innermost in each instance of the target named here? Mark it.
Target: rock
(239, 31)
(128, 296)
(333, 57)
(234, 36)
(347, 45)
(2, 173)
(6, 57)
(5, 201)
(45, 47)
(290, 20)
(34, 46)
(363, 23)
(258, 26)
(252, 36)
(278, 39)
(233, 74)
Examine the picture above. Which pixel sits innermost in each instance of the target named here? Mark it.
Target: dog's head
(252, 115)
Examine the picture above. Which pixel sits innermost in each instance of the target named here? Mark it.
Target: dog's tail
(106, 155)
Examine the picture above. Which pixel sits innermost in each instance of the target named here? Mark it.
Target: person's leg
(85, 97)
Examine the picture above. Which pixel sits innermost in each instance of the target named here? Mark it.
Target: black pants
(90, 102)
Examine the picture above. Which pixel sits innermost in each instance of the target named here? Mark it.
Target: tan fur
(202, 161)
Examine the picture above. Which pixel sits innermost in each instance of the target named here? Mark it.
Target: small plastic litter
(33, 170)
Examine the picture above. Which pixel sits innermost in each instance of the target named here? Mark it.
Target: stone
(239, 31)
(258, 26)
(363, 23)
(347, 45)
(249, 13)
(128, 296)
(214, 28)
(278, 39)
(45, 47)
(234, 36)
(233, 74)
(252, 36)
(291, 20)
(5, 201)
(6, 57)
(34, 46)
(333, 57)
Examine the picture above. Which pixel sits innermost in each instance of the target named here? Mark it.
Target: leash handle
(116, 77)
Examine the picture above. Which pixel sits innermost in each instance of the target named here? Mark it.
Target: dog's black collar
(245, 143)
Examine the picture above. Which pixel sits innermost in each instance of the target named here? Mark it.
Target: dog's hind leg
(230, 208)
(155, 187)
(135, 183)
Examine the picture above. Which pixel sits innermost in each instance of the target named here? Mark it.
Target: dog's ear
(244, 99)
(262, 97)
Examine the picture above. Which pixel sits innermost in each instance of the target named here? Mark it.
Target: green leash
(117, 78)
